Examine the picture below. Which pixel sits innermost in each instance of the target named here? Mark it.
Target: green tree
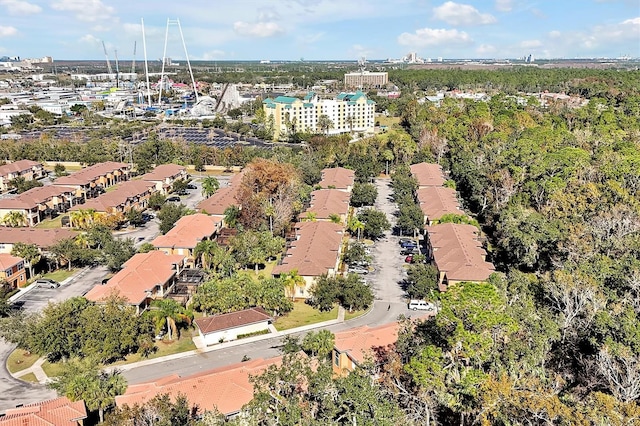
(422, 280)
(117, 251)
(363, 194)
(324, 123)
(83, 380)
(29, 252)
(319, 343)
(156, 201)
(134, 217)
(210, 186)
(66, 251)
(172, 314)
(15, 219)
(22, 185)
(162, 409)
(179, 186)
(410, 218)
(375, 223)
(231, 216)
(169, 215)
(59, 170)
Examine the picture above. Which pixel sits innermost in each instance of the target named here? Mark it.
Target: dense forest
(554, 337)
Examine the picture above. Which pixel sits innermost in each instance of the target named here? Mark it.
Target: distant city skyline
(321, 29)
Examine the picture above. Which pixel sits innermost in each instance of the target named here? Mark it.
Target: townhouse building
(337, 178)
(101, 175)
(185, 235)
(128, 195)
(437, 201)
(12, 270)
(326, 204)
(354, 347)
(27, 169)
(54, 412)
(428, 174)
(165, 175)
(37, 203)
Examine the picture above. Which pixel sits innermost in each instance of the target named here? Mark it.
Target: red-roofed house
(128, 195)
(165, 175)
(327, 202)
(187, 233)
(227, 327)
(226, 389)
(315, 251)
(36, 203)
(29, 170)
(457, 253)
(337, 178)
(143, 278)
(54, 412)
(437, 201)
(222, 199)
(428, 174)
(43, 238)
(102, 174)
(12, 270)
(352, 348)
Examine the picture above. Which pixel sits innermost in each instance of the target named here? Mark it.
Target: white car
(421, 305)
(358, 270)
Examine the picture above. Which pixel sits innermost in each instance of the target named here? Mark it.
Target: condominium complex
(362, 79)
(348, 112)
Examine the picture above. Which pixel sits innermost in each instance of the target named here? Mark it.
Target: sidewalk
(36, 368)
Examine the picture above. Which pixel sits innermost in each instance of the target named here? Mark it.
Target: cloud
(90, 39)
(359, 51)
(486, 49)
(19, 7)
(434, 37)
(8, 31)
(258, 29)
(530, 44)
(85, 10)
(504, 5)
(462, 14)
(212, 55)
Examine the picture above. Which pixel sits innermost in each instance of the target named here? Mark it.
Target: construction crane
(106, 55)
(133, 62)
(117, 69)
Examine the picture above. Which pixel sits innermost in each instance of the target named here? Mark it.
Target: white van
(421, 305)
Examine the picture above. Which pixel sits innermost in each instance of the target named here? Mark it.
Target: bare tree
(621, 371)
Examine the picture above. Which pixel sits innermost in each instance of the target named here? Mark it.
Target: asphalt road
(390, 303)
(13, 391)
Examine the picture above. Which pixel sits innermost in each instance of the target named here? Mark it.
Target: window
(336, 358)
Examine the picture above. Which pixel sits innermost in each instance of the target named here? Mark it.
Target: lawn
(387, 121)
(355, 314)
(20, 360)
(51, 223)
(183, 344)
(29, 377)
(303, 314)
(61, 274)
(268, 268)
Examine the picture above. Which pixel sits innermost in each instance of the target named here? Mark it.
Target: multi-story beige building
(348, 112)
(362, 79)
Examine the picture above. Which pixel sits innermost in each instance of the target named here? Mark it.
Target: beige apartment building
(366, 79)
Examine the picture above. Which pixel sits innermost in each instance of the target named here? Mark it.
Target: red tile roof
(359, 342)
(118, 197)
(143, 272)
(428, 174)
(188, 231)
(325, 202)
(232, 320)
(91, 173)
(18, 166)
(35, 196)
(436, 201)
(226, 389)
(163, 172)
(223, 198)
(315, 251)
(337, 177)
(458, 253)
(7, 261)
(54, 412)
(42, 238)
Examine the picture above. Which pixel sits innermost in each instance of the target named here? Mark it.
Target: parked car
(421, 305)
(191, 186)
(408, 244)
(409, 259)
(404, 241)
(408, 251)
(358, 270)
(173, 199)
(47, 283)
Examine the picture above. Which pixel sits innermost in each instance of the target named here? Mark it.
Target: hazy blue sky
(321, 29)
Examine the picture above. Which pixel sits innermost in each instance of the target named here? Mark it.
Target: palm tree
(335, 218)
(15, 219)
(324, 123)
(209, 186)
(310, 217)
(206, 251)
(231, 216)
(173, 313)
(349, 120)
(355, 225)
(292, 281)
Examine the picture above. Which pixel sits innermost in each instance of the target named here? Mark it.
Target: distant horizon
(321, 29)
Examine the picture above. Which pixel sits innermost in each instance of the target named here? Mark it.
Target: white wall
(232, 334)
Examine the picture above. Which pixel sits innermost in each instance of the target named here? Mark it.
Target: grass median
(303, 314)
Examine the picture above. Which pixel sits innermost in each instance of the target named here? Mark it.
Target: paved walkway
(42, 377)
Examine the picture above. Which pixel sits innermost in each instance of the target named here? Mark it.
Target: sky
(320, 29)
